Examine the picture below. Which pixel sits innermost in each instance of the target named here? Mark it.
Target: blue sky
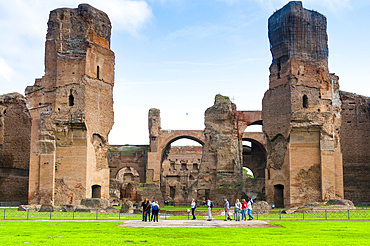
(176, 55)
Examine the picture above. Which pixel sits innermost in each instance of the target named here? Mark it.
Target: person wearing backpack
(151, 208)
(193, 206)
(209, 208)
(250, 207)
(155, 211)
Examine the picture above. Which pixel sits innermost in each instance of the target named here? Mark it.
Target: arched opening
(96, 191)
(305, 101)
(97, 72)
(254, 157)
(254, 165)
(248, 172)
(71, 99)
(180, 163)
(279, 196)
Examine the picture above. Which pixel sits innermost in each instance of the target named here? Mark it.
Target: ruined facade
(301, 112)
(15, 134)
(54, 149)
(179, 173)
(72, 109)
(355, 143)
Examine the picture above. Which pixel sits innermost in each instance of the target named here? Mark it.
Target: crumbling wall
(301, 111)
(355, 142)
(220, 172)
(15, 134)
(72, 109)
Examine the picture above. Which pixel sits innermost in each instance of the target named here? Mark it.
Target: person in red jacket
(244, 209)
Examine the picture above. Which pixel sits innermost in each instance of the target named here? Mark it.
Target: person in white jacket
(193, 206)
(250, 207)
(238, 209)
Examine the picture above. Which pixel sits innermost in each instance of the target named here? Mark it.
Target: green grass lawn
(108, 233)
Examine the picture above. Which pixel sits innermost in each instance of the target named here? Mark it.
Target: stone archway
(161, 143)
(179, 170)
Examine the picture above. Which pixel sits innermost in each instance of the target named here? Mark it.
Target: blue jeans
(244, 214)
(250, 214)
(193, 213)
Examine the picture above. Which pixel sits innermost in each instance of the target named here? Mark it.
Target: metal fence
(10, 204)
(165, 214)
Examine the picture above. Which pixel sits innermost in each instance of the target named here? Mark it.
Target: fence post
(165, 214)
(96, 214)
(280, 214)
(119, 214)
(4, 213)
(303, 213)
(28, 213)
(348, 215)
(50, 212)
(257, 214)
(73, 213)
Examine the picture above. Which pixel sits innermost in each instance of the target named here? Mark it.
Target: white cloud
(6, 71)
(130, 16)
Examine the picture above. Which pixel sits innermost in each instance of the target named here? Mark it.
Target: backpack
(212, 205)
(155, 208)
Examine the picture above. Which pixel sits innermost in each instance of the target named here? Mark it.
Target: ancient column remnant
(220, 174)
(301, 111)
(15, 134)
(72, 109)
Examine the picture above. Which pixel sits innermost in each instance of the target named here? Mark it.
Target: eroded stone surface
(220, 174)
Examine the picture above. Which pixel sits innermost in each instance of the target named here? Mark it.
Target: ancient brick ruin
(301, 112)
(314, 145)
(72, 109)
(15, 133)
(355, 142)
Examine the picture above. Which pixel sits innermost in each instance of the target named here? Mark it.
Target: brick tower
(72, 109)
(301, 111)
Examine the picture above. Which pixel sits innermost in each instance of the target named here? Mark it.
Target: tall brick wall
(301, 111)
(72, 109)
(15, 134)
(355, 143)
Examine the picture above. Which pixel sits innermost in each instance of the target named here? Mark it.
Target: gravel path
(195, 223)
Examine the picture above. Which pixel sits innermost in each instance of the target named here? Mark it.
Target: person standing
(151, 208)
(250, 207)
(145, 206)
(244, 209)
(227, 208)
(209, 208)
(155, 211)
(193, 206)
(238, 207)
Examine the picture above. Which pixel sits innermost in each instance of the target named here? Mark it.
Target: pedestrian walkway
(195, 223)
